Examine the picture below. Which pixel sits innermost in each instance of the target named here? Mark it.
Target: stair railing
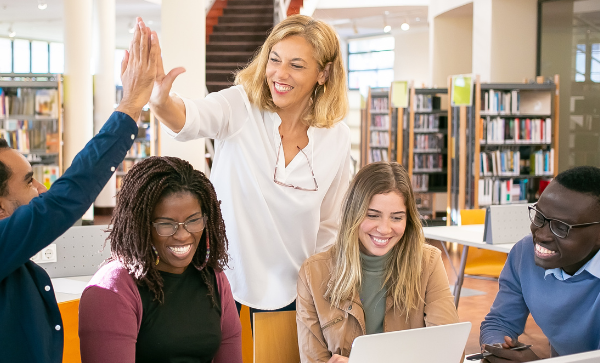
(280, 10)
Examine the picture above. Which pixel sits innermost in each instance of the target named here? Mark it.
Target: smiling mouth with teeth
(281, 88)
(180, 250)
(380, 241)
(543, 252)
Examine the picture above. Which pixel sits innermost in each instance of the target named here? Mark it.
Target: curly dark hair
(131, 234)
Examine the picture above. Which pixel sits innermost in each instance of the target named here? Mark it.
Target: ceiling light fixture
(354, 27)
(405, 26)
(42, 5)
(131, 27)
(386, 27)
(11, 32)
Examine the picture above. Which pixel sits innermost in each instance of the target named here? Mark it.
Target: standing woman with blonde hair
(379, 276)
(281, 155)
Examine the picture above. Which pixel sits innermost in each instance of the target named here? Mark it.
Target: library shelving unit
(31, 120)
(376, 127)
(147, 143)
(426, 148)
(503, 149)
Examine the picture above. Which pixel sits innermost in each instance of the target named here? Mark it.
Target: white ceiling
(31, 23)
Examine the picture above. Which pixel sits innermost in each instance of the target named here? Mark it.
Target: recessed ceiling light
(387, 28)
(11, 32)
(404, 26)
(42, 4)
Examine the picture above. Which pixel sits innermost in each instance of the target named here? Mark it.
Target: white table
(468, 236)
(69, 288)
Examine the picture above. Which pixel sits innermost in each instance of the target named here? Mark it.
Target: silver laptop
(587, 357)
(440, 344)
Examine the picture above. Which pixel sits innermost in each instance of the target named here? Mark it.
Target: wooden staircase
(235, 30)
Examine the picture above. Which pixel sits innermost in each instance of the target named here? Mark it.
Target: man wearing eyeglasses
(554, 273)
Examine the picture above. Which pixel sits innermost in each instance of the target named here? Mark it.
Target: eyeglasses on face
(316, 188)
(193, 225)
(559, 228)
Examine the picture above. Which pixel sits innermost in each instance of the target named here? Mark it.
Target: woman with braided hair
(162, 296)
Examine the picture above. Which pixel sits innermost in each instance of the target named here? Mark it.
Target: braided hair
(131, 233)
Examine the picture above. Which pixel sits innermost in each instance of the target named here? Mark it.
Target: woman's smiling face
(384, 224)
(292, 73)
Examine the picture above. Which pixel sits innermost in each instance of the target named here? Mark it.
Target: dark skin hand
(504, 355)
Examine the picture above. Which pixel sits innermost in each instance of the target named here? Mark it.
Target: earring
(157, 256)
(324, 88)
(207, 252)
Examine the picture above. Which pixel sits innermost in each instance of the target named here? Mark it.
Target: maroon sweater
(110, 315)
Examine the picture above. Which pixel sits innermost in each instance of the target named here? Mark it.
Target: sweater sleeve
(230, 350)
(108, 327)
(439, 303)
(509, 311)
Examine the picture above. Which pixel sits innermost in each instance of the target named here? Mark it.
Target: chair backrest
(276, 337)
(69, 310)
(472, 216)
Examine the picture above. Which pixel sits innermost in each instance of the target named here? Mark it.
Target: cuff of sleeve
(191, 113)
(119, 121)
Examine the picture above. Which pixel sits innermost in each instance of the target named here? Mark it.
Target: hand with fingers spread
(138, 70)
(163, 83)
(505, 354)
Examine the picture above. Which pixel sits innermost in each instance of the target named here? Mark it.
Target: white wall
(411, 56)
(437, 7)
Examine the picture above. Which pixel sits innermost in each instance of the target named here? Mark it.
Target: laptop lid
(440, 344)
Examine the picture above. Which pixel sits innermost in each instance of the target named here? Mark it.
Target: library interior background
(483, 101)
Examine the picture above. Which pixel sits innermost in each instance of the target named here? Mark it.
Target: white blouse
(271, 228)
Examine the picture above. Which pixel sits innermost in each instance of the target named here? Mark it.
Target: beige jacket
(324, 331)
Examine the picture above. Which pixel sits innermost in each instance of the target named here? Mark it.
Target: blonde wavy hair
(326, 108)
(403, 269)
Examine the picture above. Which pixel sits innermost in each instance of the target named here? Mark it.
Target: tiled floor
(470, 308)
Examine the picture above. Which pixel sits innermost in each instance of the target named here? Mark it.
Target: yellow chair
(479, 261)
(276, 337)
(69, 311)
(247, 348)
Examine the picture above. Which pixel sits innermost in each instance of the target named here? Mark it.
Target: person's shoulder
(524, 247)
(113, 276)
(318, 263)
(430, 253)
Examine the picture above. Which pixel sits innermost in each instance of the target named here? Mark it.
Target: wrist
(129, 109)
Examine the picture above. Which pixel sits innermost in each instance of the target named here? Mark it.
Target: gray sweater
(373, 293)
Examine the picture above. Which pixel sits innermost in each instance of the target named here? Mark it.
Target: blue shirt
(567, 311)
(592, 266)
(30, 323)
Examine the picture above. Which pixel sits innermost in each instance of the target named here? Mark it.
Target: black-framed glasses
(316, 188)
(193, 225)
(559, 228)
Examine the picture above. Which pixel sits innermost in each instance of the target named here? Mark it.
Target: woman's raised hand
(163, 83)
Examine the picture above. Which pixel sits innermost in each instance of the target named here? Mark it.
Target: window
(21, 56)
(370, 63)
(39, 57)
(595, 63)
(57, 58)
(5, 55)
(580, 63)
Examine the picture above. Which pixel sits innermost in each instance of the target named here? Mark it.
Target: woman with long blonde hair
(379, 276)
(282, 156)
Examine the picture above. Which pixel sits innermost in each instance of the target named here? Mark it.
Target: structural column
(183, 43)
(103, 60)
(78, 97)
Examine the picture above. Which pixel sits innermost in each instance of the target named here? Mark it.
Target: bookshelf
(31, 120)
(426, 150)
(147, 143)
(376, 127)
(504, 148)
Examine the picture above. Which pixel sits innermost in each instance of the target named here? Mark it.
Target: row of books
(27, 136)
(502, 102)
(429, 142)
(427, 122)
(510, 191)
(139, 150)
(379, 138)
(126, 165)
(426, 103)
(542, 162)
(379, 104)
(46, 174)
(378, 155)
(500, 163)
(380, 121)
(428, 162)
(41, 103)
(515, 130)
(420, 182)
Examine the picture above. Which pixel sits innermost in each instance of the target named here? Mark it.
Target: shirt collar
(592, 266)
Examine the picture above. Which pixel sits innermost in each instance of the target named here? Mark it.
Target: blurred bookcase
(31, 121)
(503, 148)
